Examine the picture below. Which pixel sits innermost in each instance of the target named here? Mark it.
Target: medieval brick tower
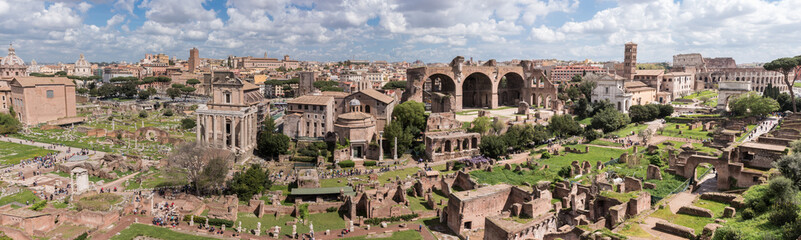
(630, 61)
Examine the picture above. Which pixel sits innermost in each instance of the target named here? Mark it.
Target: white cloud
(114, 20)
(545, 34)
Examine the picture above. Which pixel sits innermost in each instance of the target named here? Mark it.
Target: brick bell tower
(630, 61)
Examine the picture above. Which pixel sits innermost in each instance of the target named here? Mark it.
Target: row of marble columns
(216, 134)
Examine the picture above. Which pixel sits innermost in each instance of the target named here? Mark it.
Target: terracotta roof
(311, 100)
(650, 72)
(355, 116)
(248, 86)
(33, 81)
(334, 94)
(4, 85)
(377, 95)
(634, 84)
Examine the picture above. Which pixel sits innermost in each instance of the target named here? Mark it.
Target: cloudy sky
(401, 30)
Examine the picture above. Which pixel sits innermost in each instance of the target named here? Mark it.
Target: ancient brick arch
(534, 83)
(721, 167)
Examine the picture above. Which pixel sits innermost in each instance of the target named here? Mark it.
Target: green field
(21, 197)
(628, 129)
(698, 95)
(694, 222)
(137, 229)
(671, 131)
(13, 153)
(501, 175)
(596, 154)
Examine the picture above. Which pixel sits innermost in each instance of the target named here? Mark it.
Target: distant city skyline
(400, 30)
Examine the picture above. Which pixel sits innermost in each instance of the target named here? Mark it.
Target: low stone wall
(674, 229)
(696, 211)
(323, 207)
(719, 197)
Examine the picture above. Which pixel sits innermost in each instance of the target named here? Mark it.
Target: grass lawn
(321, 221)
(716, 207)
(797, 84)
(23, 196)
(626, 131)
(680, 103)
(586, 121)
(596, 154)
(405, 235)
(698, 95)
(417, 204)
(163, 177)
(701, 170)
(383, 178)
(59, 205)
(81, 140)
(98, 202)
(605, 143)
(622, 197)
(671, 131)
(13, 153)
(696, 223)
(501, 175)
(137, 229)
(668, 183)
(755, 228)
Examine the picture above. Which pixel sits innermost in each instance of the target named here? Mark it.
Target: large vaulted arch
(477, 91)
(510, 89)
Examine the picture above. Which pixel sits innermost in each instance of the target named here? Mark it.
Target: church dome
(12, 58)
(355, 102)
(82, 62)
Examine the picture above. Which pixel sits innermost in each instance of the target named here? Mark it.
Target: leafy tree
(410, 114)
(128, 89)
(576, 78)
(586, 86)
(790, 165)
(644, 113)
(173, 93)
(328, 86)
(405, 137)
(270, 143)
(143, 94)
(783, 190)
(394, 85)
(250, 182)
(785, 66)
(751, 104)
(573, 93)
(481, 125)
(209, 179)
(193, 82)
(591, 134)
(665, 110)
(564, 126)
(187, 90)
(609, 120)
(9, 123)
(541, 134)
(583, 108)
(107, 90)
(771, 91)
(193, 157)
(187, 123)
(492, 146)
(152, 91)
(519, 136)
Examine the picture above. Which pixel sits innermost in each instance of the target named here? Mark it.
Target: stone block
(648, 185)
(729, 212)
(696, 211)
(674, 229)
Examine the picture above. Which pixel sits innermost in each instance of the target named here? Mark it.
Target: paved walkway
(762, 128)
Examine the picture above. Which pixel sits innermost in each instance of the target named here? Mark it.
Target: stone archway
(510, 87)
(477, 91)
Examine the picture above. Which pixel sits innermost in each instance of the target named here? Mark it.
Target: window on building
(49, 93)
(227, 97)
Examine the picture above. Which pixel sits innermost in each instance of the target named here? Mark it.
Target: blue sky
(401, 30)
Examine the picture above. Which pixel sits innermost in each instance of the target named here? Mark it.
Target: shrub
(303, 211)
(590, 134)
(726, 233)
(39, 205)
(168, 113)
(376, 221)
(791, 230)
(212, 221)
(564, 172)
(783, 214)
(83, 236)
(187, 123)
(370, 163)
(142, 114)
(346, 164)
(545, 155)
(747, 214)
(334, 209)
(655, 160)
